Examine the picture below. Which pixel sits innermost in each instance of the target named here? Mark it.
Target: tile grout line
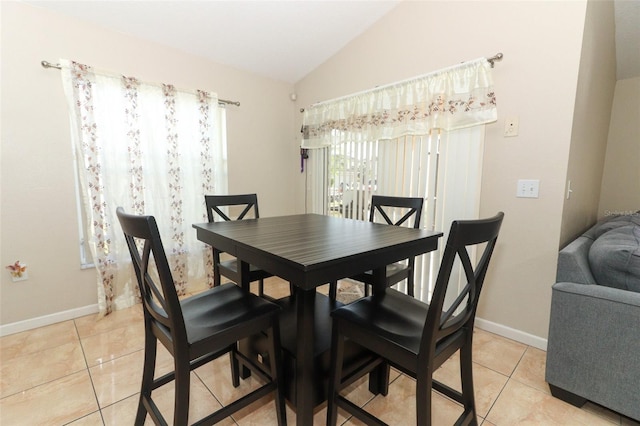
(41, 350)
(86, 363)
(485, 418)
(213, 393)
(509, 378)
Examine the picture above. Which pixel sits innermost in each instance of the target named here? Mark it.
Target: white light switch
(528, 188)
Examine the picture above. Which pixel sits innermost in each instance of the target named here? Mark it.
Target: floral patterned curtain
(152, 149)
(452, 98)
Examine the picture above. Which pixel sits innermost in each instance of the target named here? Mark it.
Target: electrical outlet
(511, 125)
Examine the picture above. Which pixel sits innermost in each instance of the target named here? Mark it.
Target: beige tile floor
(87, 371)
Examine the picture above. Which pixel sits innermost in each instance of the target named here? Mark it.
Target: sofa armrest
(603, 294)
(573, 262)
(593, 349)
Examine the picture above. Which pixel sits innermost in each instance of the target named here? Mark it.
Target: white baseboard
(492, 327)
(512, 333)
(32, 323)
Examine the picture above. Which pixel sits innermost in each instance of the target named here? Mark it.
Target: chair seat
(393, 316)
(255, 273)
(221, 310)
(393, 270)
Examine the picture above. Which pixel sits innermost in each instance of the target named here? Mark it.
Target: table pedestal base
(355, 356)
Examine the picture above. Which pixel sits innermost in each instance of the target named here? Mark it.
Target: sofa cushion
(612, 222)
(614, 258)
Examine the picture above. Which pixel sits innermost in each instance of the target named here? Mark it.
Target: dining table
(310, 250)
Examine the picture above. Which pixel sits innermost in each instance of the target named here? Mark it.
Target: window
(152, 149)
(422, 137)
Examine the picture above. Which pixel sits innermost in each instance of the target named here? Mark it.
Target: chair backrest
(160, 303)
(382, 205)
(217, 204)
(464, 236)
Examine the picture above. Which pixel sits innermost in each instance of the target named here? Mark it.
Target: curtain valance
(451, 98)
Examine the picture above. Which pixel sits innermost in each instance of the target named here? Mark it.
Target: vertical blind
(444, 168)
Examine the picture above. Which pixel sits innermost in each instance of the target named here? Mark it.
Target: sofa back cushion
(611, 222)
(614, 258)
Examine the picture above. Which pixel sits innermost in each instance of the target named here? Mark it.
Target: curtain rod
(495, 58)
(46, 64)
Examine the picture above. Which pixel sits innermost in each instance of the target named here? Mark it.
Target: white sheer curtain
(423, 137)
(152, 149)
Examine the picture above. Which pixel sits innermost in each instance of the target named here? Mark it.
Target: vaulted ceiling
(282, 39)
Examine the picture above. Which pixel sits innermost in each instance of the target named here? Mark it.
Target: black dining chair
(415, 337)
(220, 207)
(196, 330)
(385, 209)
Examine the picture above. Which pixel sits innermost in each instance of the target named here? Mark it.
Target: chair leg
(235, 368)
(182, 388)
(261, 288)
(335, 377)
(410, 284)
(275, 355)
(216, 268)
(216, 277)
(379, 379)
(148, 371)
(423, 400)
(466, 377)
(333, 290)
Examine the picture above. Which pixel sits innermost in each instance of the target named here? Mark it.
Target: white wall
(621, 179)
(591, 118)
(536, 82)
(38, 210)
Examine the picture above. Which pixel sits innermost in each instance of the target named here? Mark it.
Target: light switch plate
(528, 188)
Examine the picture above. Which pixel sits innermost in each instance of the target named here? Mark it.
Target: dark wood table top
(309, 250)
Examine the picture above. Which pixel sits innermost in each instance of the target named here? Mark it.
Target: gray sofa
(593, 350)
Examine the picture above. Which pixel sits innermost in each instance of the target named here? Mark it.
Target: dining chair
(196, 330)
(221, 207)
(397, 211)
(416, 337)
